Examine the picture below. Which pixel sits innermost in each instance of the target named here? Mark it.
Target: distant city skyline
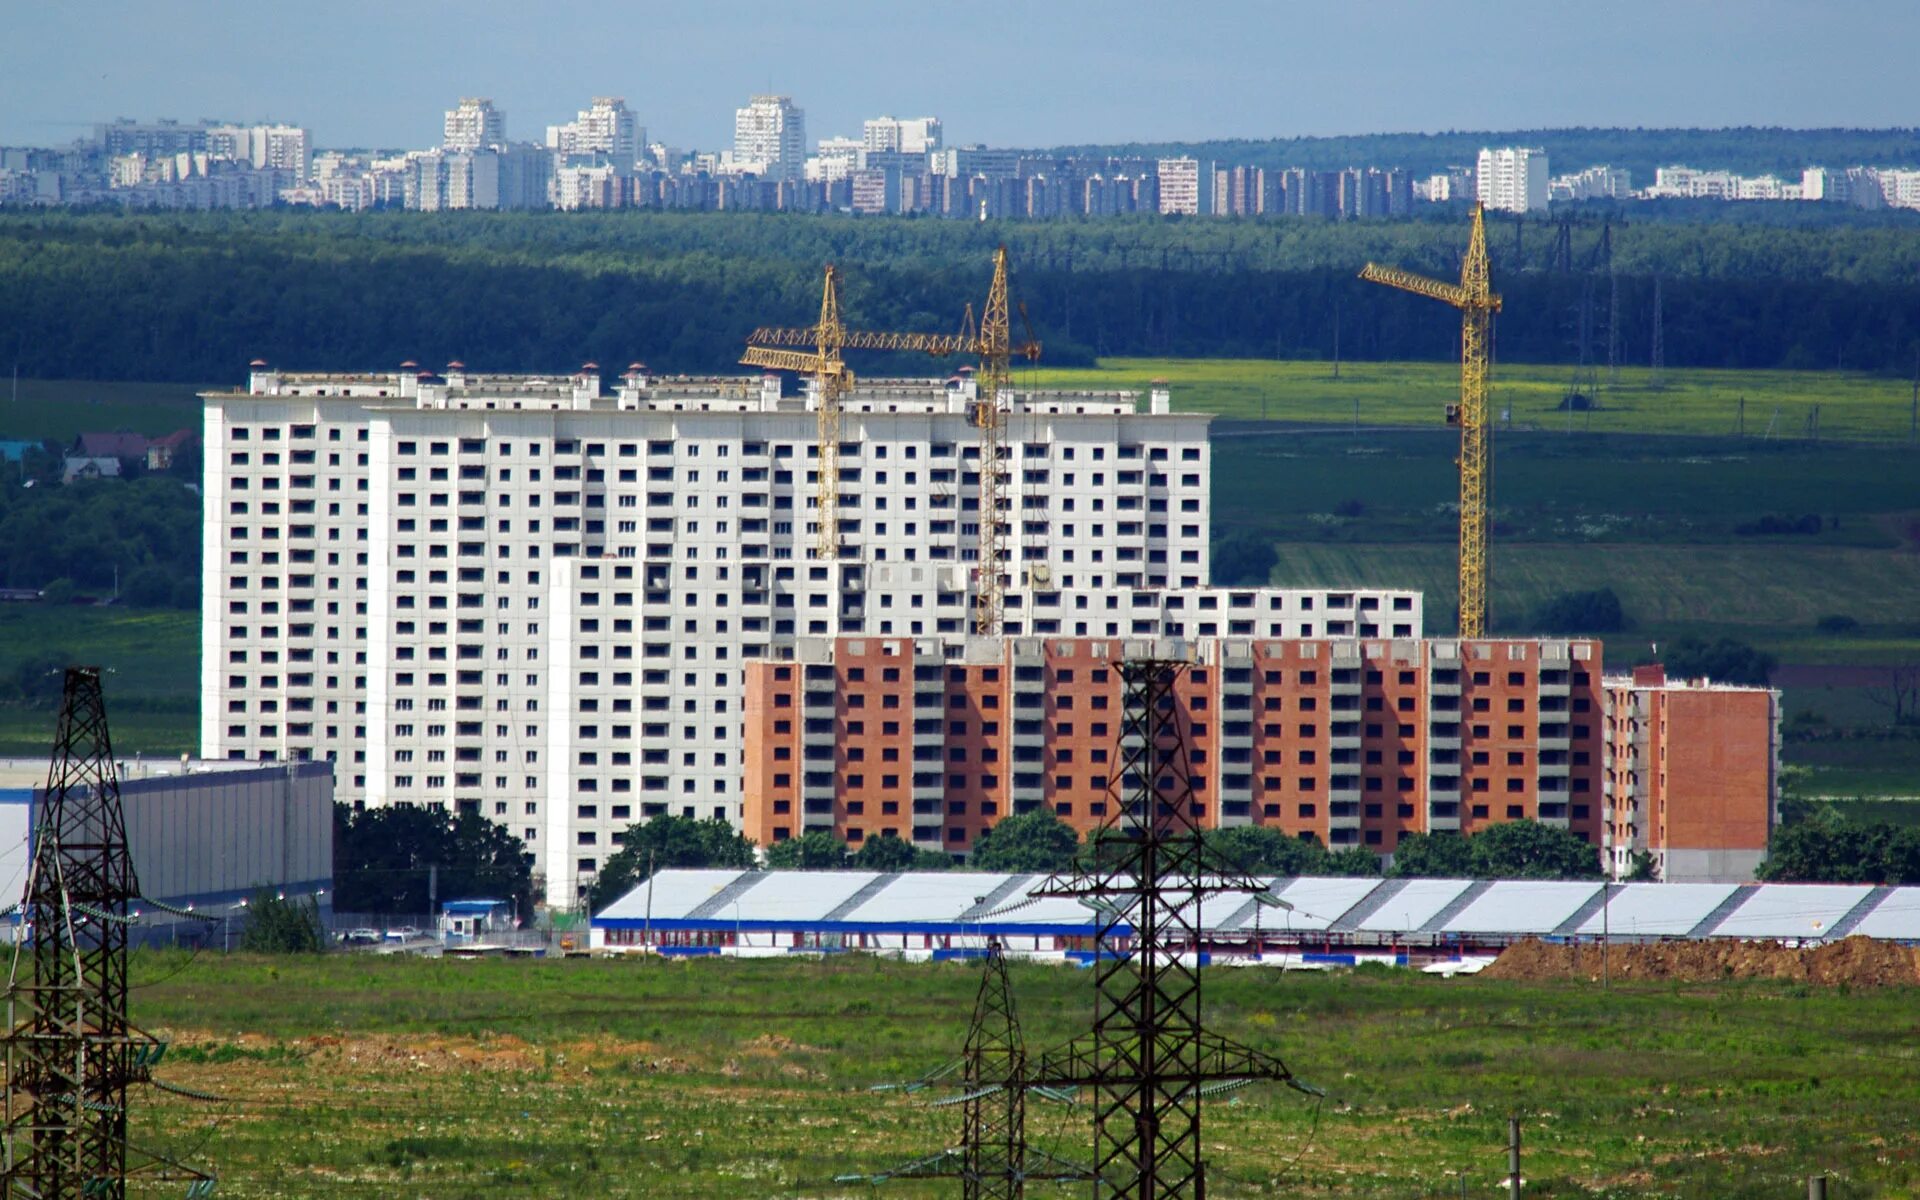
(1067, 73)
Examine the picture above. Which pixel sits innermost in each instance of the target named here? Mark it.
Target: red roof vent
(966, 370)
(636, 366)
(590, 366)
(258, 362)
(456, 365)
(407, 364)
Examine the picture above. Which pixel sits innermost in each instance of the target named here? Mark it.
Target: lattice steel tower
(1149, 1059)
(993, 1160)
(71, 1052)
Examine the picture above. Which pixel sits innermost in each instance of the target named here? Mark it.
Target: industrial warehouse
(205, 838)
(1295, 922)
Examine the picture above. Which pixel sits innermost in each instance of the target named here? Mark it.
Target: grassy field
(62, 408)
(153, 682)
(1526, 396)
(723, 1079)
(1739, 591)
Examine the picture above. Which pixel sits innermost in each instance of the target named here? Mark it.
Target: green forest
(1750, 150)
(193, 297)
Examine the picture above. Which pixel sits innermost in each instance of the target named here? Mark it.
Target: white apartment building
(528, 598)
(838, 158)
(1594, 183)
(770, 138)
(286, 148)
(607, 129)
(473, 125)
(913, 135)
(1180, 185)
(1512, 179)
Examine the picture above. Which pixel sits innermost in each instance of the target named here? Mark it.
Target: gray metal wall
(206, 836)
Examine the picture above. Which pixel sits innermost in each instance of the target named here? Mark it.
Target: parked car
(361, 937)
(405, 933)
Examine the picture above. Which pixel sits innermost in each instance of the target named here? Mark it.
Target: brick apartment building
(1694, 770)
(1355, 742)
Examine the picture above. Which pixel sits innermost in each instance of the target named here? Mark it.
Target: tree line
(193, 297)
(1038, 842)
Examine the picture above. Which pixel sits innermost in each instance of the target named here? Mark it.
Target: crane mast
(1477, 301)
(995, 380)
(833, 380)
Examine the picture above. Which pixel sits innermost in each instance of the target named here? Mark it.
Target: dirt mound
(1858, 961)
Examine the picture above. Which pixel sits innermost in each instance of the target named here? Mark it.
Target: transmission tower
(993, 1160)
(71, 1051)
(1613, 306)
(1149, 1059)
(1657, 376)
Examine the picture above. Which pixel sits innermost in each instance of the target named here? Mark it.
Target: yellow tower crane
(826, 340)
(824, 344)
(1477, 301)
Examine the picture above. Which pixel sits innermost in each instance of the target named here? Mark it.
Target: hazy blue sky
(381, 72)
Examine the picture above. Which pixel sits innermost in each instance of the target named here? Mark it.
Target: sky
(380, 73)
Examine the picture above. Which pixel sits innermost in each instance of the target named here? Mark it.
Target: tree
(278, 926)
(1036, 841)
(1530, 850)
(383, 859)
(890, 853)
(665, 842)
(1441, 855)
(1641, 868)
(1582, 613)
(1354, 860)
(1899, 692)
(1723, 661)
(1261, 850)
(1243, 559)
(814, 850)
(1825, 848)
(149, 587)
(38, 679)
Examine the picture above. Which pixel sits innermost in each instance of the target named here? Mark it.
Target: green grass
(153, 682)
(1695, 401)
(1858, 768)
(63, 408)
(1738, 590)
(727, 1080)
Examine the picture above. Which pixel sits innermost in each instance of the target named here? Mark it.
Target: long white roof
(973, 901)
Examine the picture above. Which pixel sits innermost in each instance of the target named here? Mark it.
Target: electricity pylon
(1149, 1060)
(1477, 301)
(71, 1051)
(993, 1160)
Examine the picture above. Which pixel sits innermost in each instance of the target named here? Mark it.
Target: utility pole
(433, 893)
(1513, 1158)
(1606, 936)
(647, 935)
(1336, 339)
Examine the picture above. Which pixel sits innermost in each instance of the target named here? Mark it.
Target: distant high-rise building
(770, 133)
(475, 124)
(1180, 185)
(911, 135)
(1513, 179)
(607, 131)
